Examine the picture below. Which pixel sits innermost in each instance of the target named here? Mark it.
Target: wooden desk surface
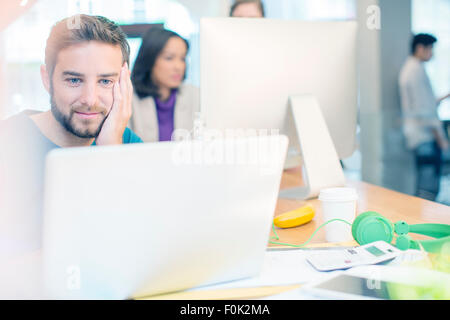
(391, 204)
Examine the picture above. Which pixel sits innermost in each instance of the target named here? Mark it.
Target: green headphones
(372, 226)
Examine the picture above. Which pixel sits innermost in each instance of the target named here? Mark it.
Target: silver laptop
(145, 219)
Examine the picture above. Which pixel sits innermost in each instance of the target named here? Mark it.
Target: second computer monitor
(250, 67)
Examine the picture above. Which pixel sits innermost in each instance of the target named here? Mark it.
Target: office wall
(207, 8)
(2, 79)
(382, 52)
(370, 95)
(398, 162)
(9, 12)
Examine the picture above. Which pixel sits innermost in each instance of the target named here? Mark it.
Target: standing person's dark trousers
(428, 165)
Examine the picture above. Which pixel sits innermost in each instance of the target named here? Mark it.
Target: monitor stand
(321, 165)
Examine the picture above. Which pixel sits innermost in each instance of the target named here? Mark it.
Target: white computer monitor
(250, 68)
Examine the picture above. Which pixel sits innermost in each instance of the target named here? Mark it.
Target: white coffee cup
(338, 203)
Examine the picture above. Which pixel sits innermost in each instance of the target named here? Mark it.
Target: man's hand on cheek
(117, 119)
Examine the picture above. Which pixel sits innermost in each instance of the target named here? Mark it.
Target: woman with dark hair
(161, 102)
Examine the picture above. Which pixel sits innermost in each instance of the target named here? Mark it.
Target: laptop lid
(145, 219)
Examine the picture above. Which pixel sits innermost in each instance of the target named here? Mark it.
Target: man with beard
(86, 74)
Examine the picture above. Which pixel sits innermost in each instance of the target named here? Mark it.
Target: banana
(295, 217)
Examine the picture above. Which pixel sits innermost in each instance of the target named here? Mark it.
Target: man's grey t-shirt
(23, 149)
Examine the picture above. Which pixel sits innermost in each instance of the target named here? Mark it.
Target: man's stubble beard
(66, 121)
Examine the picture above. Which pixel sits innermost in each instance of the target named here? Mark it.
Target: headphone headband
(434, 230)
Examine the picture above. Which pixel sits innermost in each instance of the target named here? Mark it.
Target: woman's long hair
(153, 42)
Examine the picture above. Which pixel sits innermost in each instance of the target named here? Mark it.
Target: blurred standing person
(162, 103)
(422, 128)
(247, 9)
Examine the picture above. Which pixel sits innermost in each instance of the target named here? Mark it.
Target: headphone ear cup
(360, 218)
(403, 242)
(371, 226)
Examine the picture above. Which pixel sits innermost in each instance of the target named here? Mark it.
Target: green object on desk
(371, 226)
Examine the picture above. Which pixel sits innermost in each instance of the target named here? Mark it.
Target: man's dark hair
(153, 42)
(237, 3)
(422, 39)
(81, 28)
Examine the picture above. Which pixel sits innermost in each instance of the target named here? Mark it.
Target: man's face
(428, 53)
(81, 87)
(424, 53)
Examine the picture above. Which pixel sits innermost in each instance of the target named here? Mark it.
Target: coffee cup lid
(338, 194)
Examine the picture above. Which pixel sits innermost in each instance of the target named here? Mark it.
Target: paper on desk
(279, 268)
(407, 258)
